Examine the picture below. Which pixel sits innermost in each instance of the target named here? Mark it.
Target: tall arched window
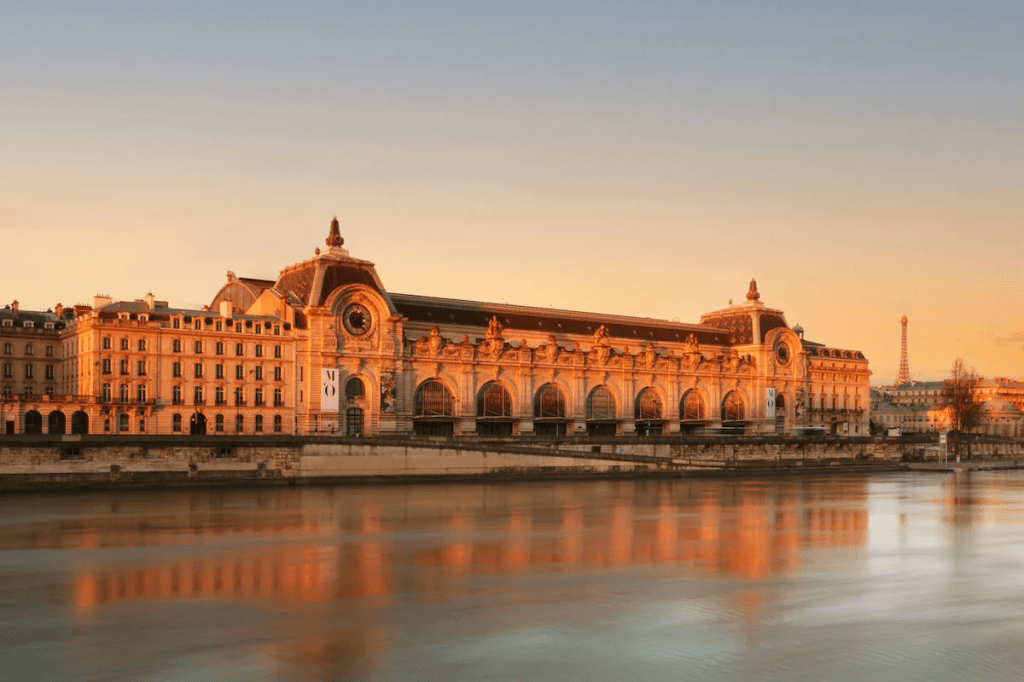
(648, 405)
(57, 422)
(550, 403)
(123, 421)
(355, 388)
(692, 407)
(494, 401)
(33, 422)
(433, 399)
(601, 404)
(732, 407)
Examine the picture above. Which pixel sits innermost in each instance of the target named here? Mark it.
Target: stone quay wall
(155, 461)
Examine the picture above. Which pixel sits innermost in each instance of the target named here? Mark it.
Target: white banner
(769, 404)
(329, 390)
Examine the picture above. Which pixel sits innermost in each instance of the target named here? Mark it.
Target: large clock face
(356, 319)
(782, 353)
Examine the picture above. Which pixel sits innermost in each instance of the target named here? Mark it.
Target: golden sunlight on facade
(325, 348)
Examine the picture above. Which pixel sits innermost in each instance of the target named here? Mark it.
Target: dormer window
(48, 325)
(29, 324)
(8, 323)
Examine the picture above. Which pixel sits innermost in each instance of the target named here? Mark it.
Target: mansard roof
(441, 311)
(37, 317)
(163, 311)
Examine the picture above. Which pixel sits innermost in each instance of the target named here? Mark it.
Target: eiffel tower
(904, 376)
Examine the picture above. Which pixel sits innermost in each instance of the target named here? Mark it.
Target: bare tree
(958, 396)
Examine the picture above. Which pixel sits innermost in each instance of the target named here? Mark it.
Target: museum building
(326, 349)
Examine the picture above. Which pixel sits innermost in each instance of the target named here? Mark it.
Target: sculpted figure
(650, 356)
(494, 328)
(551, 349)
(691, 344)
(435, 340)
(601, 336)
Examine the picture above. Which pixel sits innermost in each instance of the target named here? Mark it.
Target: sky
(861, 160)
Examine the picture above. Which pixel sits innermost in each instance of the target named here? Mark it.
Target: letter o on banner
(329, 390)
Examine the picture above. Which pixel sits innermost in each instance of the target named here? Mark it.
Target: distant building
(917, 407)
(325, 348)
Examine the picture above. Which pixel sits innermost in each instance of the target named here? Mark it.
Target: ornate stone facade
(431, 366)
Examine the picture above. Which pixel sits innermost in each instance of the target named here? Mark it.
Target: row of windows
(29, 349)
(433, 399)
(30, 371)
(106, 366)
(27, 324)
(220, 396)
(217, 325)
(8, 392)
(198, 423)
(198, 395)
(219, 348)
(257, 372)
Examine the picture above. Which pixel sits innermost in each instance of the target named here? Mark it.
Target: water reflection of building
(706, 528)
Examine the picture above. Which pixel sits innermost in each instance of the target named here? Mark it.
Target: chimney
(14, 307)
(100, 301)
(150, 300)
(59, 311)
(225, 309)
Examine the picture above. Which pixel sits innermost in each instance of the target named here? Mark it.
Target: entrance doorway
(197, 425)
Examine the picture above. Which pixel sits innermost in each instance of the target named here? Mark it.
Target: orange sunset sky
(861, 160)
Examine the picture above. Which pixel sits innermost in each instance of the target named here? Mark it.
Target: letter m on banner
(329, 390)
(769, 404)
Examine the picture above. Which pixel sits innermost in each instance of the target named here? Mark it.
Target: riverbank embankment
(82, 462)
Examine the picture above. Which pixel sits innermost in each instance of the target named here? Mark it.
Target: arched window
(433, 399)
(648, 405)
(692, 407)
(278, 423)
(79, 423)
(123, 421)
(218, 423)
(259, 423)
(355, 388)
(550, 403)
(601, 404)
(57, 422)
(33, 422)
(494, 401)
(732, 407)
(176, 422)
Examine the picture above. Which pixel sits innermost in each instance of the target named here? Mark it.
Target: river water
(880, 577)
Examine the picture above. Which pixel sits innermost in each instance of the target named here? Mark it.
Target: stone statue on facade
(551, 349)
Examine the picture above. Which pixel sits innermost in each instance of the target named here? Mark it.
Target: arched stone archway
(79, 423)
(33, 423)
(56, 423)
(494, 410)
(550, 416)
(197, 424)
(602, 412)
(433, 409)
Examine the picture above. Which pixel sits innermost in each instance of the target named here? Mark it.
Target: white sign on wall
(329, 390)
(769, 404)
